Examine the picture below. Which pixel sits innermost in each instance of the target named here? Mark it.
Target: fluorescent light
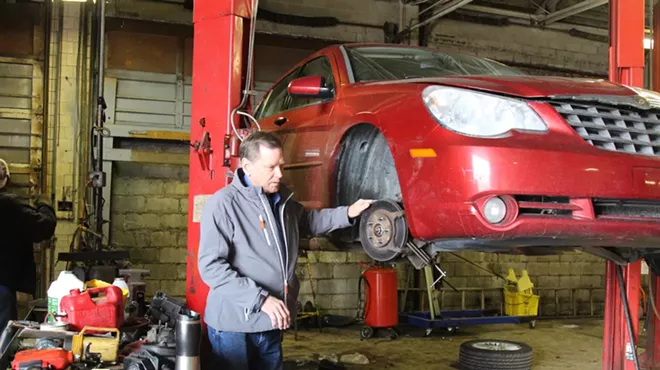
(648, 43)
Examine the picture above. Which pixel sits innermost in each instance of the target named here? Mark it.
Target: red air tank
(382, 306)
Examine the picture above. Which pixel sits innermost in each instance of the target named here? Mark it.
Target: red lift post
(651, 358)
(626, 64)
(220, 34)
(218, 69)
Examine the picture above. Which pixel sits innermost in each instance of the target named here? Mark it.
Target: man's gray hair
(4, 173)
(251, 145)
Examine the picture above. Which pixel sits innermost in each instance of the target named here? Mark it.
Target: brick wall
(149, 211)
(566, 271)
(517, 44)
(335, 276)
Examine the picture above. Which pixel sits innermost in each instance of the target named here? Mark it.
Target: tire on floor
(494, 354)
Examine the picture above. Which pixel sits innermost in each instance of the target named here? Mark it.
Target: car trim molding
(634, 101)
(349, 68)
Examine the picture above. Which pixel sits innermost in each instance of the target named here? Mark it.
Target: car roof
(334, 48)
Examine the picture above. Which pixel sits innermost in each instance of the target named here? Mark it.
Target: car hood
(529, 86)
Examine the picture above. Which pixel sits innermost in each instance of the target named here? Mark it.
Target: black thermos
(188, 341)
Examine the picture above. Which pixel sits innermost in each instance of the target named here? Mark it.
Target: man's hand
(358, 207)
(278, 313)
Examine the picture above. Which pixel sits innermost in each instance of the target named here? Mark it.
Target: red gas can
(99, 307)
(381, 307)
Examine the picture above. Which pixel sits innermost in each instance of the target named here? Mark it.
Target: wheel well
(362, 135)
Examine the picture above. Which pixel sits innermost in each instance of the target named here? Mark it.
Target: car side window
(318, 67)
(277, 99)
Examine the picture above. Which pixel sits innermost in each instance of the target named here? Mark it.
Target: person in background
(21, 225)
(249, 235)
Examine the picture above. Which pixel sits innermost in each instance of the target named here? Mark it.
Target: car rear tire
(486, 354)
(365, 170)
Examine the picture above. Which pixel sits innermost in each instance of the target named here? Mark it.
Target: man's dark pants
(7, 306)
(247, 351)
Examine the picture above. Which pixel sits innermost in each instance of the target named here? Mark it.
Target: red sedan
(467, 153)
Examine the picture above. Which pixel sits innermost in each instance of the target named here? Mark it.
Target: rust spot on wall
(142, 52)
(17, 27)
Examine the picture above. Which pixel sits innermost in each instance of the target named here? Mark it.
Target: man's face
(266, 171)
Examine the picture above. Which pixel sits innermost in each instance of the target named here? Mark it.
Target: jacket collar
(254, 192)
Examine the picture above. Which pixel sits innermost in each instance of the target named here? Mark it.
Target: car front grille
(588, 208)
(620, 129)
(627, 209)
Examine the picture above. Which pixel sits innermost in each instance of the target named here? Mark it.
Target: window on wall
(318, 67)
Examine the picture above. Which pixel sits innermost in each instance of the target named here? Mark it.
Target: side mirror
(309, 87)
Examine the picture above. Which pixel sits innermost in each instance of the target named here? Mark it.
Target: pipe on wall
(45, 96)
(655, 50)
(56, 101)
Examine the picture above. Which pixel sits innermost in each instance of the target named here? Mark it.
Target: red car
(467, 153)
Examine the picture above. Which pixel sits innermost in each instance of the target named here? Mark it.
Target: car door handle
(280, 121)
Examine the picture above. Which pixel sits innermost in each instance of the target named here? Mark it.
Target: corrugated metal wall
(15, 112)
(21, 95)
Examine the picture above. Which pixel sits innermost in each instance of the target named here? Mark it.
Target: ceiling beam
(502, 12)
(570, 11)
(442, 11)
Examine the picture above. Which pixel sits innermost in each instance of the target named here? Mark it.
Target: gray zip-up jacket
(240, 258)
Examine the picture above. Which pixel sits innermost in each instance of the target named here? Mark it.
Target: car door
(305, 124)
(270, 108)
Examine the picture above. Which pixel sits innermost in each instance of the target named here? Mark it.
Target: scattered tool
(138, 289)
(188, 340)
(52, 359)
(95, 347)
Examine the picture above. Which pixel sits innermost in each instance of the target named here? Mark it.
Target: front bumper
(564, 192)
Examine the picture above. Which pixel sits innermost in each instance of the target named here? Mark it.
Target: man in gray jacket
(248, 250)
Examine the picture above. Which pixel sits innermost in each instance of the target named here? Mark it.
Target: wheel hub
(497, 346)
(383, 230)
(379, 229)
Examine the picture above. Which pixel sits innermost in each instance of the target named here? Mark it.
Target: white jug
(59, 288)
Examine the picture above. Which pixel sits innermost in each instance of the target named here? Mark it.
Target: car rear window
(371, 63)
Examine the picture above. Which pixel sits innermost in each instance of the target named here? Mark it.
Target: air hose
(626, 310)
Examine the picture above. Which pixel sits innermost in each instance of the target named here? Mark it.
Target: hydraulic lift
(220, 64)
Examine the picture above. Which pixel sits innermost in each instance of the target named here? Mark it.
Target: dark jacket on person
(241, 257)
(22, 225)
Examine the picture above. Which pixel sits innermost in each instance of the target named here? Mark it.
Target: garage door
(21, 91)
(148, 81)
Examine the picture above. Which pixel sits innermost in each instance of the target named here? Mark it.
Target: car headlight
(650, 97)
(478, 114)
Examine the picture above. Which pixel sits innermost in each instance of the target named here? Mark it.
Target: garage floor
(558, 344)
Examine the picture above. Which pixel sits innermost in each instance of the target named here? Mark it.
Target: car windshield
(371, 63)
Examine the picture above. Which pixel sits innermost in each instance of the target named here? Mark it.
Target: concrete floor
(557, 344)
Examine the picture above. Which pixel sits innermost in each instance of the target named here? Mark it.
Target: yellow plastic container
(95, 283)
(520, 303)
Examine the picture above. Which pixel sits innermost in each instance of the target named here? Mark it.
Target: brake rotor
(383, 230)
